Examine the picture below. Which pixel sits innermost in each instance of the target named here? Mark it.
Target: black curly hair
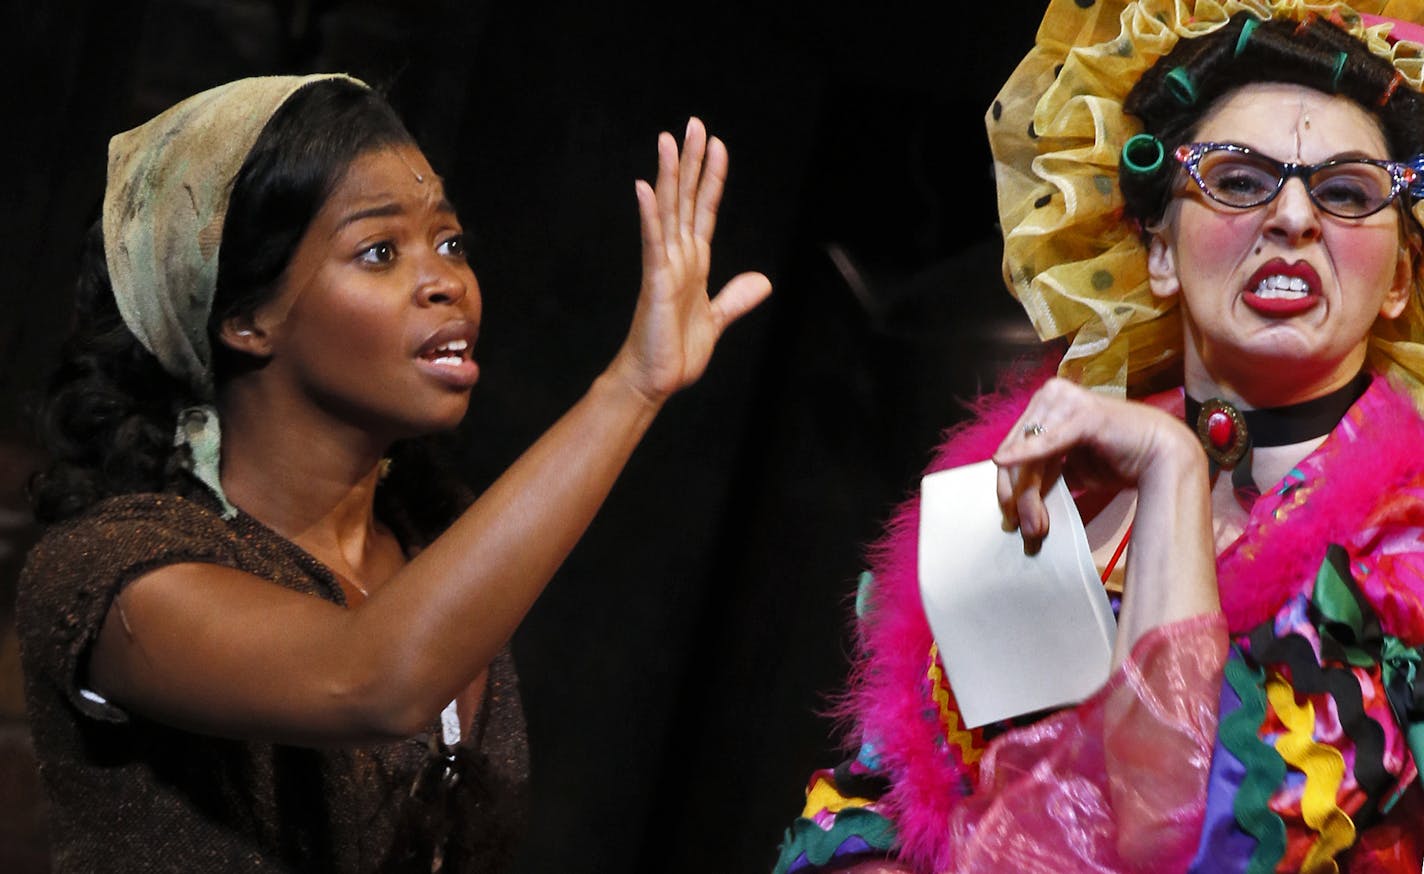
(1306, 53)
(109, 411)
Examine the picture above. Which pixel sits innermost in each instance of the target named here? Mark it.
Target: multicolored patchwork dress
(1279, 735)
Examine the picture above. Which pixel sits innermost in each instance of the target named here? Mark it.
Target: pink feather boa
(886, 697)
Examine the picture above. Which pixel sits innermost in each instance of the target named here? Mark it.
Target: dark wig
(1176, 93)
(109, 413)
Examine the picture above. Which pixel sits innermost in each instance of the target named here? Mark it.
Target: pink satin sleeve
(1116, 784)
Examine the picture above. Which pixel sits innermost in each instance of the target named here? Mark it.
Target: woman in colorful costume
(280, 644)
(1211, 202)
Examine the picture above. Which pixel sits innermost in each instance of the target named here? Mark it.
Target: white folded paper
(1016, 633)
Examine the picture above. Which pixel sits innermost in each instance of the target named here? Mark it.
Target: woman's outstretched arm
(220, 651)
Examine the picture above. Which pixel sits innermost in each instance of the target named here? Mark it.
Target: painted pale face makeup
(1278, 300)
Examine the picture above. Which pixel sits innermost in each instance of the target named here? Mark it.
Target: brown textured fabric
(128, 794)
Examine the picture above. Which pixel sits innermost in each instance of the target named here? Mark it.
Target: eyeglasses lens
(1350, 189)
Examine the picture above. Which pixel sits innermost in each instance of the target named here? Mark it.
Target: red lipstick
(1279, 290)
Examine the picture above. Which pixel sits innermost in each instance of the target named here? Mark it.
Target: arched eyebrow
(1349, 155)
(389, 208)
(1352, 155)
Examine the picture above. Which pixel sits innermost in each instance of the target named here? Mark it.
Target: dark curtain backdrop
(674, 670)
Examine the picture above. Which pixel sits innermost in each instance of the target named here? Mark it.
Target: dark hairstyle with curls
(109, 412)
(1278, 50)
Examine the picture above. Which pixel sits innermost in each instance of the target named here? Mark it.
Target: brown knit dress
(130, 795)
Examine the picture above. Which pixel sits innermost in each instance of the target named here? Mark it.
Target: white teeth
(1280, 287)
(451, 353)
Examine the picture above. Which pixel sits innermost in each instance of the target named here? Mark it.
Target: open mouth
(449, 354)
(1280, 289)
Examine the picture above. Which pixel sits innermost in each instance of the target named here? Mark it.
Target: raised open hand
(676, 324)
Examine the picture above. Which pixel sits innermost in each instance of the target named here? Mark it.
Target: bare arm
(224, 652)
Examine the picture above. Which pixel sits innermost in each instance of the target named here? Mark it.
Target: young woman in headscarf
(265, 630)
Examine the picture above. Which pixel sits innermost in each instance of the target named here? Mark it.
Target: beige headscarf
(164, 205)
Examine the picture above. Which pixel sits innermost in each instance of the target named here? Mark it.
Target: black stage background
(673, 670)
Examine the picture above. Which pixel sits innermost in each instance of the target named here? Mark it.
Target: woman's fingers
(709, 190)
(1047, 479)
(1104, 440)
(1030, 459)
(676, 323)
(738, 297)
(1037, 436)
(1059, 417)
(1028, 499)
(1020, 491)
(687, 193)
(667, 185)
(1008, 501)
(694, 147)
(651, 228)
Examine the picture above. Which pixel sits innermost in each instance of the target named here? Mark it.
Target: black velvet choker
(1228, 434)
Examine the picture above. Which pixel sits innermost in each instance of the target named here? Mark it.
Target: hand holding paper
(1110, 444)
(1017, 633)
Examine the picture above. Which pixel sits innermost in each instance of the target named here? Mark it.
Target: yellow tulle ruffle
(1056, 129)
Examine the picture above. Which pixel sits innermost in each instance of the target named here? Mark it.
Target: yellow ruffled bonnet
(1056, 130)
